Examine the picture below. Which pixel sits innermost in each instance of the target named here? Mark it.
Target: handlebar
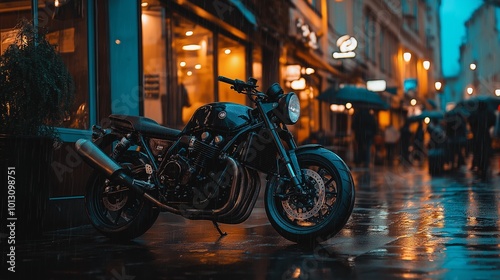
(226, 80)
(239, 85)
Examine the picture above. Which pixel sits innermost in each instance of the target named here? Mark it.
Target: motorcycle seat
(146, 126)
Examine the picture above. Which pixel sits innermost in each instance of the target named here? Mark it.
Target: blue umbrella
(473, 104)
(433, 115)
(359, 97)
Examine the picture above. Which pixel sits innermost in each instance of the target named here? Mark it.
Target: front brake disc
(306, 212)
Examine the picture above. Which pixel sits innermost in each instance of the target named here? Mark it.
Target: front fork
(289, 157)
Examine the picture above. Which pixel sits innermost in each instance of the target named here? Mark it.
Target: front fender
(308, 147)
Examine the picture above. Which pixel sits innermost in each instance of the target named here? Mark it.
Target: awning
(359, 97)
(245, 11)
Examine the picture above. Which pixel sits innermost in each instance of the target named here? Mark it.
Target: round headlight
(289, 108)
(293, 105)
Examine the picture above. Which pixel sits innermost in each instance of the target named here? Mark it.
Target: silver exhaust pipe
(97, 159)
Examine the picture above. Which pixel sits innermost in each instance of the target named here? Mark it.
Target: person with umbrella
(365, 127)
(456, 131)
(480, 121)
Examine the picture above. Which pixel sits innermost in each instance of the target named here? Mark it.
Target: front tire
(323, 211)
(116, 211)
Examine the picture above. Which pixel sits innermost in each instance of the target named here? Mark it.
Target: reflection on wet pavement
(405, 224)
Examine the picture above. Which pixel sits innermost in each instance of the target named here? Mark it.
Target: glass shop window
(231, 56)
(178, 65)
(66, 25)
(194, 60)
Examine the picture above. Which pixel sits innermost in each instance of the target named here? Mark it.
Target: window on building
(370, 35)
(231, 63)
(178, 60)
(67, 27)
(182, 56)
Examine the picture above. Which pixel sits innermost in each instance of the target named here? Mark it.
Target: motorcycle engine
(188, 171)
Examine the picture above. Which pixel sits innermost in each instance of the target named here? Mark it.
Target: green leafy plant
(36, 88)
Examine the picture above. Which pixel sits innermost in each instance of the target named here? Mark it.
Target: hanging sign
(346, 45)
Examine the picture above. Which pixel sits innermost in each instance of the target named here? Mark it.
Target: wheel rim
(115, 206)
(322, 191)
(299, 207)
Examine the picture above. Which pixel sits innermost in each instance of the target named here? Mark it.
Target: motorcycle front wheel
(325, 207)
(114, 210)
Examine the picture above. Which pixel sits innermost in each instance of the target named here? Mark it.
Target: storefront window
(231, 56)
(194, 58)
(257, 67)
(66, 27)
(178, 64)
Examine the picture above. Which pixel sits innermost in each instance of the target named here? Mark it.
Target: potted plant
(36, 92)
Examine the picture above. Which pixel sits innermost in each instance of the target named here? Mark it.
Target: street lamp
(470, 90)
(407, 56)
(472, 66)
(426, 64)
(438, 86)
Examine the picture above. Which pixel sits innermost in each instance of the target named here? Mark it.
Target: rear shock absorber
(121, 147)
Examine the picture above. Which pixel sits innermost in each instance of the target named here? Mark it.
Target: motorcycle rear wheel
(325, 209)
(118, 212)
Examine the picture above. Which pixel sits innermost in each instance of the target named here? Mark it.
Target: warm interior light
(189, 73)
(407, 56)
(413, 102)
(376, 85)
(470, 90)
(299, 84)
(472, 66)
(337, 108)
(438, 85)
(309, 71)
(191, 47)
(497, 92)
(348, 105)
(426, 64)
(189, 33)
(144, 4)
(182, 63)
(427, 120)
(227, 51)
(59, 3)
(197, 66)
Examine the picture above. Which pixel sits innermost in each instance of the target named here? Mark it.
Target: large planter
(25, 177)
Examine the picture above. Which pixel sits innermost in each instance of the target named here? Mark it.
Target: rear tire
(121, 214)
(319, 215)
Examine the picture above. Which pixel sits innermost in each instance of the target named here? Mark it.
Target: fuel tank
(222, 117)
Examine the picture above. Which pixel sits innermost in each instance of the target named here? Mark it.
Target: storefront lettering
(307, 35)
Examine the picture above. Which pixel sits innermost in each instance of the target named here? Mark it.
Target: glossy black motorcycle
(213, 168)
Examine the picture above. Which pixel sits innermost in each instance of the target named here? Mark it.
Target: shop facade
(158, 59)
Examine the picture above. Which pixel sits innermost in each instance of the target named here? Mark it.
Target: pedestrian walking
(456, 131)
(365, 127)
(418, 144)
(480, 121)
(391, 138)
(405, 138)
(496, 130)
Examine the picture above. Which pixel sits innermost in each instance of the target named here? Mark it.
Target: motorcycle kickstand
(216, 225)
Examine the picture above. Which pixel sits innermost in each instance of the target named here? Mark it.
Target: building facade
(479, 59)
